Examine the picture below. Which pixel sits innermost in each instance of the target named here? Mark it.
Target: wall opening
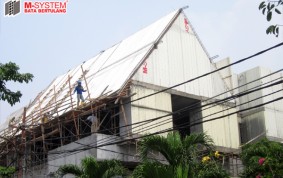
(183, 119)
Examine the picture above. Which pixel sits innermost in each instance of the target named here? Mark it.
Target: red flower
(261, 161)
(258, 176)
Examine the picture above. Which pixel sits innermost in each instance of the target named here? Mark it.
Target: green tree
(181, 155)
(10, 72)
(6, 172)
(91, 168)
(263, 158)
(267, 8)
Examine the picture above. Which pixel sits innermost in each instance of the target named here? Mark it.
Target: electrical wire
(135, 138)
(198, 78)
(184, 109)
(191, 106)
(208, 73)
(172, 129)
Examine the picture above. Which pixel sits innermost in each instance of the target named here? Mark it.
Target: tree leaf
(277, 11)
(268, 7)
(277, 31)
(269, 16)
(269, 29)
(272, 6)
(261, 5)
(273, 30)
(263, 11)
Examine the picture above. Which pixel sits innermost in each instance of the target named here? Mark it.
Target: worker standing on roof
(79, 89)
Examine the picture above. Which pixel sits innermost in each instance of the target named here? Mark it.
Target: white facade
(268, 119)
(178, 57)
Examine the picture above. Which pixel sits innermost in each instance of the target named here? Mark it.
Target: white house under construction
(157, 80)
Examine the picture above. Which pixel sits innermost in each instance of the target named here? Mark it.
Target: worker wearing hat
(79, 89)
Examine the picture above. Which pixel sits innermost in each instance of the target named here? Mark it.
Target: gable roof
(108, 72)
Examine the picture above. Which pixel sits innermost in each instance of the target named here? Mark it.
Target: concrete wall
(73, 153)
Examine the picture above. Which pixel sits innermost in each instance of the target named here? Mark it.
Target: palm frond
(89, 166)
(182, 171)
(69, 169)
(153, 169)
(159, 144)
(174, 139)
(110, 168)
(193, 140)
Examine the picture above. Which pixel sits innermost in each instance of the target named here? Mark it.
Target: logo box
(12, 7)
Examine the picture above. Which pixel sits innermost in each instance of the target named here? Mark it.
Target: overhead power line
(101, 145)
(208, 73)
(189, 108)
(192, 106)
(184, 125)
(169, 129)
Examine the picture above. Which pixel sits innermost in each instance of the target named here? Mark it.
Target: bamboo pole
(74, 118)
(83, 72)
(124, 116)
(42, 128)
(59, 125)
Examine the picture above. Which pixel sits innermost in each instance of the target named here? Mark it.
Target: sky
(48, 45)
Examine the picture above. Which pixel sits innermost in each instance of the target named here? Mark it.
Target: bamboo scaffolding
(58, 122)
(74, 117)
(42, 130)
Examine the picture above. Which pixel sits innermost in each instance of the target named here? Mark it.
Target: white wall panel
(179, 57)
(274, 123)
(245, 78)
(224, 131)
(271, 79)
(270, 117)
(254, 125)
(226, 74)
(149, 108)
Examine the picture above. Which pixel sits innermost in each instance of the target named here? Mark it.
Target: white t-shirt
(92, 118)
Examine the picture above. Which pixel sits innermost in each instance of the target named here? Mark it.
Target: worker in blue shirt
(79, 89)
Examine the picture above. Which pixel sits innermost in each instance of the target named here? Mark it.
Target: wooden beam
(46, 135)
(102, 121)
(124, 116)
